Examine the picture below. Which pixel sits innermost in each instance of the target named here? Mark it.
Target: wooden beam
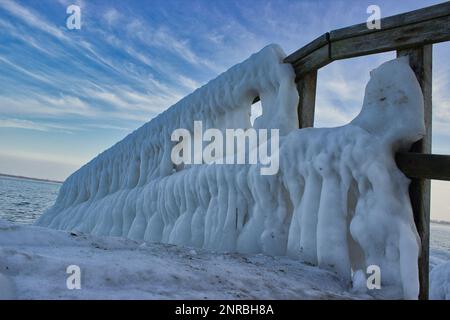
(401, 37)
(306, 87)
(408, 30)
(313, 61)
(403, 19)
(309, 48)
(425, 166)
(420, 60)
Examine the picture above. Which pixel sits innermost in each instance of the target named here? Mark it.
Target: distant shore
(28, 178)
(440, 222)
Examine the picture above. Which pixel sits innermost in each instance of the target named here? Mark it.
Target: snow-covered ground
(440, 261)
(33, 260)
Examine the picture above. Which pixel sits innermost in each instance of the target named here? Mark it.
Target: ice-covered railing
(338, 200)
(223, 103)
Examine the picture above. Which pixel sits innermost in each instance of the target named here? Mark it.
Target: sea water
(24, 200)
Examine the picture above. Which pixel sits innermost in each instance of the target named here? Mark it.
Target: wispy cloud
(24, 71)
(54, 127)
(32, 125)
(163, 38)
(31, 18)
(111, 16)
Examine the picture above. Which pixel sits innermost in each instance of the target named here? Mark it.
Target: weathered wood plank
(306, 87)
(412, 35)
(309, 48)
(420, 60)
(424, 166)
(428, 13)
(312, 61)
(417, 28)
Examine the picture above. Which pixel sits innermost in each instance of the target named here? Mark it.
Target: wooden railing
(410, 34)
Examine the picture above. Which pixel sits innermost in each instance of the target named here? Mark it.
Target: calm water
(440, 236)
(23, 200)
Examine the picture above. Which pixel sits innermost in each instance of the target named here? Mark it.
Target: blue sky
(66, 95)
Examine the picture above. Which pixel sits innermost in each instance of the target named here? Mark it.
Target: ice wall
(338, 200)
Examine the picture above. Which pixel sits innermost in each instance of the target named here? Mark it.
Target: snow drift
(338, 200)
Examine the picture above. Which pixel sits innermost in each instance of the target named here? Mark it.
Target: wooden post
(306, 87)
(420, 60)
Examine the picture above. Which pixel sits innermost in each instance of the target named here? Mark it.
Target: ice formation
(338, 200)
